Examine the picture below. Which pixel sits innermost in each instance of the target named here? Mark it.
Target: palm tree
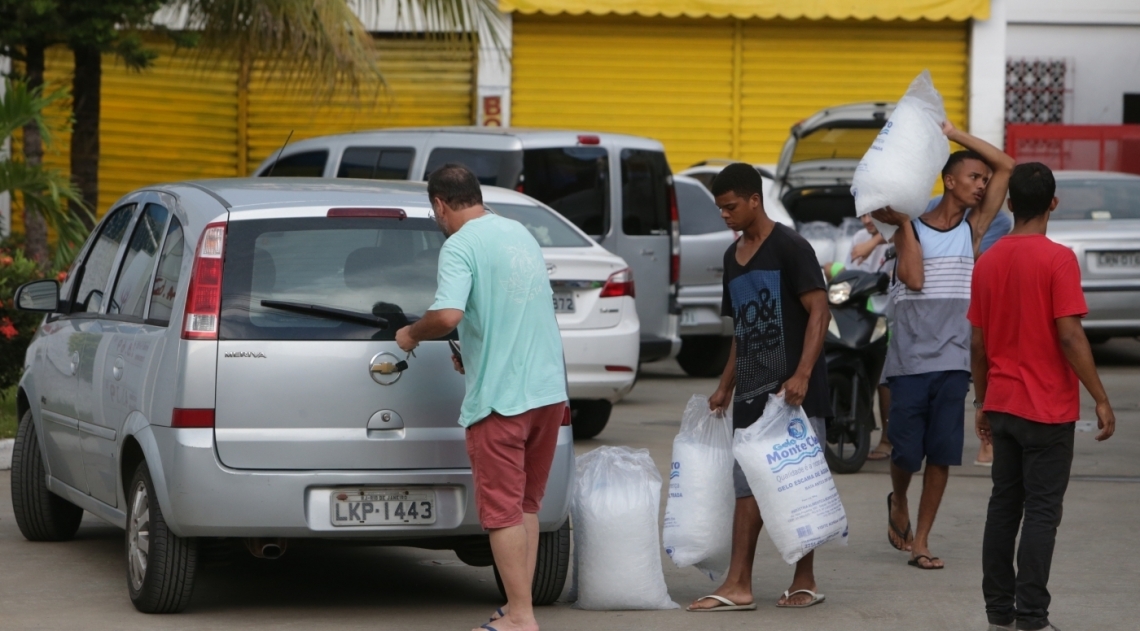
(45, 192)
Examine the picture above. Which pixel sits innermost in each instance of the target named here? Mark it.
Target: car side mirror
(39, 295)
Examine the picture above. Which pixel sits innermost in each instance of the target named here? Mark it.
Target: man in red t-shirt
(1028, 352)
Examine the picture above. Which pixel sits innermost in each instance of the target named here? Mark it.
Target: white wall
(1105, 64)
(1074, 12)
(987, 75)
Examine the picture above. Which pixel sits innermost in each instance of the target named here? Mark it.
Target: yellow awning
(744, 9)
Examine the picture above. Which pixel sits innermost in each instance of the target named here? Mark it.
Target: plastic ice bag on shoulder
(785, 466)
(617, 499)
(906, 158)
(701, 500)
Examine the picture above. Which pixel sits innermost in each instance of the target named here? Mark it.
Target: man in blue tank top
(928, 359)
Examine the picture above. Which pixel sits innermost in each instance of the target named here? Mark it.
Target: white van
(618, 189)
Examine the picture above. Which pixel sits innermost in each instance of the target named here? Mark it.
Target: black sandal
(914, 563)
(901, 534)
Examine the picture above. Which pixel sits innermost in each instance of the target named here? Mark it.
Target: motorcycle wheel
(849, 433)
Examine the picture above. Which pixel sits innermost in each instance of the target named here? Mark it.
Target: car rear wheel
(40, 514)
(160, 564)
(704, 355)
(589, 418)
(551, 568)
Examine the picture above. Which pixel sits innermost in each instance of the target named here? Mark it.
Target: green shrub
(8, 419)
(16, 327)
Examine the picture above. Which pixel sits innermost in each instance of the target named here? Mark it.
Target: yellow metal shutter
(721, 88)
(792, 70)
(173, 121)
(428, 83)
(668, 79)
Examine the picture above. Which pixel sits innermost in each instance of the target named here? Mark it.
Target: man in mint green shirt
(494, 288)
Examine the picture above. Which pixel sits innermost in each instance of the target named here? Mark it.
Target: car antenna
(274, 165)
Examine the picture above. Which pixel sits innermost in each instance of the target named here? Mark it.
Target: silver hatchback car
(220, 366)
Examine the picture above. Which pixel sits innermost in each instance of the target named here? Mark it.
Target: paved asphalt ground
(81, 584)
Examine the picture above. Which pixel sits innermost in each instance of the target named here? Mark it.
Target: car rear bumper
(204, 498)
(700, 311)
(1113, 312)
(588, 353)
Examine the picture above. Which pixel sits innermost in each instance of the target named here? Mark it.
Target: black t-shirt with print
(763, 300)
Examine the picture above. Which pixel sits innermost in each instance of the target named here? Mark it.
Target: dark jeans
(1030, 473)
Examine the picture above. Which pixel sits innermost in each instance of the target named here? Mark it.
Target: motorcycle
(855, 348)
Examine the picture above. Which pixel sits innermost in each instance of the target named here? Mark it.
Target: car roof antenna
(279, 156)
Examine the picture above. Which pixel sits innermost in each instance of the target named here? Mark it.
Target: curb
(6, 446)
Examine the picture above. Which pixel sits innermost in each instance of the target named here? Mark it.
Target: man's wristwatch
(978, 404)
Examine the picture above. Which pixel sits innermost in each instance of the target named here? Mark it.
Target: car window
(644, 192)
(572, 180)
(373, 266)
(304, 164)
(376, 163)
(497, 168)
(165, 288)
(547, 228)
(128, 297)
(699, 214)
(1099, 199)
(96, 269)
(837, 143)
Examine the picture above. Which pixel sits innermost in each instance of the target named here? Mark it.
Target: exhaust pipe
(266, 548)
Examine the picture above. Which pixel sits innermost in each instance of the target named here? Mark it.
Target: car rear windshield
(699, 214)
(835, 143)
(573, 181)
(548, 229)
(370, 266)
(1100, 199)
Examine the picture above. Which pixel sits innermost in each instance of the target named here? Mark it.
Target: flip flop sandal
(725, 605)
(878, 456)
(815, 599)
(904, 535)
(499, 613)
(914, 563)
(488, 627)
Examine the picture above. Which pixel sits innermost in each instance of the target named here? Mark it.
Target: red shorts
(510, 461)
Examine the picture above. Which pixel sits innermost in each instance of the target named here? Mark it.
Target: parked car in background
(617, 189)
(220, 363)
(1098, 216)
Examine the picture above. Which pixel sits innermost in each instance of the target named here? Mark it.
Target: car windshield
(1099, 199)
(548, 229)
(383, 267)
(835, 143)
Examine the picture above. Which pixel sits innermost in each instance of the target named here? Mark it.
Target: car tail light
(204, 300)
(675, 234)
(619, 283)
(192, 418)
(380, 213)
(589, 139)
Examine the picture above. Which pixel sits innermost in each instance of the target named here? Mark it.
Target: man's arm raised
(1002, 165)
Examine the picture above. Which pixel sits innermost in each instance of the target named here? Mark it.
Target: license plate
(563, 302)
(382, 507)
(1118, 259)
(688, 317)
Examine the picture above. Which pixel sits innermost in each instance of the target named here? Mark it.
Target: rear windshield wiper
(328, 312)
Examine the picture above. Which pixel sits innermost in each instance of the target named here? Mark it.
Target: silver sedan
(1098, 216)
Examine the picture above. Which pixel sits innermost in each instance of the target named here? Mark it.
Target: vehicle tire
(704, 355)
(40, 514)
(551, 568)
(849, 433)
(160, 564)
(589, 417)
(476, 552)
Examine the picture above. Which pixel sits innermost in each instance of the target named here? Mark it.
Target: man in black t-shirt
(775, 293)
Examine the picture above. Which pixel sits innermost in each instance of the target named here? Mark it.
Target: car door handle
(647, 252)
(74, 362)
(117, 368)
